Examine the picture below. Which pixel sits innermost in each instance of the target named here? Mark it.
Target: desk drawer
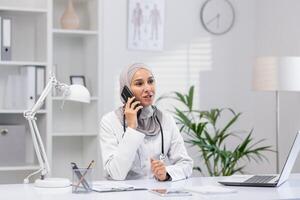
(12, 144)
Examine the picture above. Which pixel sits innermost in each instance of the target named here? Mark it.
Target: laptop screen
(289, 163)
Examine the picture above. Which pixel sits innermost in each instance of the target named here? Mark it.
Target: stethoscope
(162, 155)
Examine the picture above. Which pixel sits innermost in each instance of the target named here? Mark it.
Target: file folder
(6, 39)
(29, 77)
(13, 92)
(40, 81)
(0, 36)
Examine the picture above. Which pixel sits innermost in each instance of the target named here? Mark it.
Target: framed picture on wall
(146, 24)
(77, 79)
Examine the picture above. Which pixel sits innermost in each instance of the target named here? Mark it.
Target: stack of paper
(210, 189)
(111, 186)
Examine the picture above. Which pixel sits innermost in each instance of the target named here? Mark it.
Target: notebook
(114, 186)
(268, 180)
(209, 189)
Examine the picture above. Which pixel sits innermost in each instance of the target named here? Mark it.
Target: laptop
(268, 180)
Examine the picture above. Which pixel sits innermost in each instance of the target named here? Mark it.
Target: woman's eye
(151, 81)
(138, 83)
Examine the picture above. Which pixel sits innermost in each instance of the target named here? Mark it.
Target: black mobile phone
(126, 94)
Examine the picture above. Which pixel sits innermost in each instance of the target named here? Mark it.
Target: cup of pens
(82, 179)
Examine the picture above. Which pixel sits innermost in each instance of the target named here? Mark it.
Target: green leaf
(190, 98)
(180, 97)
(230, 123)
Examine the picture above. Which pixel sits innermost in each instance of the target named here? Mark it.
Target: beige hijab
(148, 119)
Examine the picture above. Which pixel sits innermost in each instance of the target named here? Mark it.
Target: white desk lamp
(72, 93)
(277, 74)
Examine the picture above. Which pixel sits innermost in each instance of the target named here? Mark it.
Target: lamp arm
(36, 137)
(39, 150)
(46, 167)
(52, 82)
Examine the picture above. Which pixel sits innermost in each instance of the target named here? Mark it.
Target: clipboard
(114, 186)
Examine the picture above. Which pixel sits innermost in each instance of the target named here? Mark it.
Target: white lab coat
(128, 157)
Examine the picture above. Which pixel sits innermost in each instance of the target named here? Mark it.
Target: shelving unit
(26, 6)
(8, 171)
(29, 48)
(19, 168)
(93, 98)
(21, 63)
(69, 135)
(65, 134)
(22, 9)
(10, 111)
(87, 11)
(75, 32)
(76, 52)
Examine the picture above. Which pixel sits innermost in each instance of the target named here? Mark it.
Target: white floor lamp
(277, 74)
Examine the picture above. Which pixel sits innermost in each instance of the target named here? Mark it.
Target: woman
(148, 144)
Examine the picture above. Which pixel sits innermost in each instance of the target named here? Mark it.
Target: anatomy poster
(146, 24)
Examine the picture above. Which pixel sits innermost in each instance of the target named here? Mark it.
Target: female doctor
(149, 144)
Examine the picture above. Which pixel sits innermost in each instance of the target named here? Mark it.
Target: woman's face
(143, 87)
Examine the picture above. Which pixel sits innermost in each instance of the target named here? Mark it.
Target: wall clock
(217, 16)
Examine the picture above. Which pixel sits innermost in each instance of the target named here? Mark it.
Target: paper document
(113, 186)
(170, 192)
(210, 189)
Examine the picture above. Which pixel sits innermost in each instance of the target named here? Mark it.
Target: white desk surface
(289, 190)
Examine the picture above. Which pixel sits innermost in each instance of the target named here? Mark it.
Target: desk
(289, 190)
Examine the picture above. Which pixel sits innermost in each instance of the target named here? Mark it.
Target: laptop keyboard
(259, 179)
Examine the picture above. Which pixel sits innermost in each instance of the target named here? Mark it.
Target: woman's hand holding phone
(131, 110)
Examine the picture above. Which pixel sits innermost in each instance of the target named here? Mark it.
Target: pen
(82, 177)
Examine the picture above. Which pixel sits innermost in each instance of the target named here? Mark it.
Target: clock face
(217, 16)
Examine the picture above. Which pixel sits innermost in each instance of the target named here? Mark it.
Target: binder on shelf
(13, 94)
(29, 76)
(0, 37)
(40, 81)
(6, 38)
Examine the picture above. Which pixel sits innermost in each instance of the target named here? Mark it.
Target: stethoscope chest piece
(162, 157)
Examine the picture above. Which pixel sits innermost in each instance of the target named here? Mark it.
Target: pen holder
(82, 180)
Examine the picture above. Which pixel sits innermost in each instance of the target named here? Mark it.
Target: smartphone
(170, 192)
(126, 94)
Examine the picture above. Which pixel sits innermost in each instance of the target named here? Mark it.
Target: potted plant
(204, 131)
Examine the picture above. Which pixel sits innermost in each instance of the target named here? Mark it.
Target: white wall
(262, 27)
(228, 84)
(277, 34)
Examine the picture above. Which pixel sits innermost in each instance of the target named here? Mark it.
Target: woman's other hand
(159, 169)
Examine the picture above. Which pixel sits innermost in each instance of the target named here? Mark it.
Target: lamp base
(52, 183)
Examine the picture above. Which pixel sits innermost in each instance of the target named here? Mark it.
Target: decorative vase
(69, 19)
